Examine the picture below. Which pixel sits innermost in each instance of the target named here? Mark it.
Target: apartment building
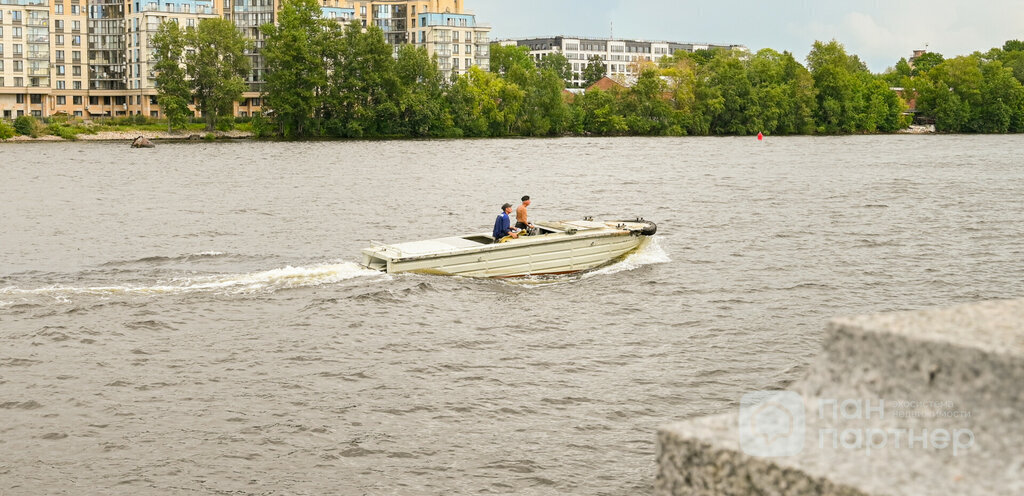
(92, 58)
(620, 57)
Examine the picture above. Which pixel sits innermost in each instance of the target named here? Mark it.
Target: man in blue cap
(502, 225)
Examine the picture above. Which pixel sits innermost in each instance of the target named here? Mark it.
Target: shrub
(210, 137)
(66, 132)
(27, 125)
(226, 123)
(6, 130)
(60, 118)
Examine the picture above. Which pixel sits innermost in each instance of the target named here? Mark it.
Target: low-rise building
(620, 57)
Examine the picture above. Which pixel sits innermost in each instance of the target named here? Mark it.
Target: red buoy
(760, 136)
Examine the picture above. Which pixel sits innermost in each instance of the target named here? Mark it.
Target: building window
(77, 85)
(469, 48)
(76, 56)
(36, 99)
(74, 9)
(16, 32)
(455, 36)
(62, 100)
(60, 69)
(59, 55)
(59, 39)
(15, 16)
(455, 64)
(60, 85)
(469, 63)
(77, 100)
(76, 25)
(455, 49)
(17, 50)
(76, 70)
(19, 98)
(76, 40)
(20, 82)
(58, 8)
(19, 66)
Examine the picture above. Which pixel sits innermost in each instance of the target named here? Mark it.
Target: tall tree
(839, 90)
(172, 87)
(503, 58)
(557, 63)
(296, 68)
(364, 86)
(594, 71)
(216, 65)
(423, 110)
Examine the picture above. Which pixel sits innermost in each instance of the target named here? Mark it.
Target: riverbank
(135, 133)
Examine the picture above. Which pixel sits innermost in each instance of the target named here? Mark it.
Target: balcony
(44, 71)
(38, 55)
(38, 3)
(443, 53)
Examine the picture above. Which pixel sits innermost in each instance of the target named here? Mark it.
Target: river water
(192, 318)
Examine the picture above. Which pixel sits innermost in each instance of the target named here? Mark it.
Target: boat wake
(650, 253)
(251, 283)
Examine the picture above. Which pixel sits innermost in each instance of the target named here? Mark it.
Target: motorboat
(562, 247)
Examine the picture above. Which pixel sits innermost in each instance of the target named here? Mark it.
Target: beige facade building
(91, 58)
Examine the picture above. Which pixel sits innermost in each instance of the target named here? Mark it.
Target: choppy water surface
(192, 318)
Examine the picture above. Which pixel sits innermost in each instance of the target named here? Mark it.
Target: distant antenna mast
(611, 30)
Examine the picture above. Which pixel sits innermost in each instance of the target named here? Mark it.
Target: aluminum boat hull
(563, 248)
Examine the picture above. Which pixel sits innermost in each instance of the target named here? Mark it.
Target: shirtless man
(521, 221)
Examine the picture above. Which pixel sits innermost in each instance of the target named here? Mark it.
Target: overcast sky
(880, 32)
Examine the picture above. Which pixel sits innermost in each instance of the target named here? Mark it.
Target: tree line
(324, 79)
(977, 93)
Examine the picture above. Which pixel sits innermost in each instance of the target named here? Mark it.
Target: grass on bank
(69, 128)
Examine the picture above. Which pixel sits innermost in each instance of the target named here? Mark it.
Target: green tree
(364, 87)
(558, 64)
(950, 92)
(594, 71)
(598, 113)
(645, 107)
(926, 62)
(504, 58)
(484, 104)
(1013, 46)
(840, 102)
(216, 65)
(296, 68)
(423, 110)
(172, 86)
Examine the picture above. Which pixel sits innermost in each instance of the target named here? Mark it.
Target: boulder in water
(142, 142)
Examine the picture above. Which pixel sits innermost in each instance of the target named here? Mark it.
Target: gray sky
(880, 32)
